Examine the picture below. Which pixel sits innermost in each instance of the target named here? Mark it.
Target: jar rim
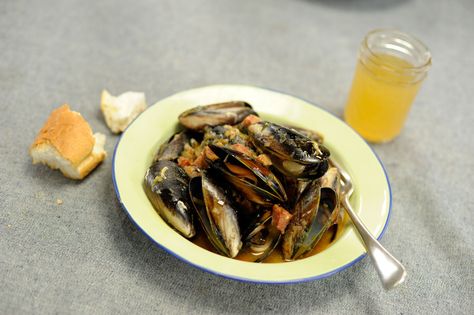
(407, 38)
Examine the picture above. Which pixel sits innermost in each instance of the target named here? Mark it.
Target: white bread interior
(120, 111)
(66, 143)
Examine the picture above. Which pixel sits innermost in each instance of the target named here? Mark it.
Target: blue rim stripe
(247, 280)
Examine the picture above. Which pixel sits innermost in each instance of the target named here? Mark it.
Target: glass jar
(390, 69)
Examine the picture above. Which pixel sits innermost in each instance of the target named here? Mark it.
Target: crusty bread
(120, 111)
(66, 143)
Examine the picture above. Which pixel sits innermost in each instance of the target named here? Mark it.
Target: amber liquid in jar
(389, 73)
(379, 102)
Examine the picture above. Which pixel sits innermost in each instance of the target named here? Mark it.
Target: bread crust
(97, 155)
(68, 136)
(69, 133)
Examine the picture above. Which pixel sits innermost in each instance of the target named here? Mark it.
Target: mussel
(316, 210)
(217, 214)
(171, 149)
(166, 185)
(262, 237)
(215, 114)
(291, 152)
(294, 188)
(248, 176)
(313, 135)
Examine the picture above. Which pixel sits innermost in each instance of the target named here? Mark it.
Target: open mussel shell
(330, 191)
(315, 211)
(303, 216)
(294, 188)
(217, 215)
(262, 237)
(293, 153)
(229, 113)
(166, 185)
(248, 176)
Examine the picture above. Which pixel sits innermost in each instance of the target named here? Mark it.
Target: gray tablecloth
(85, 256)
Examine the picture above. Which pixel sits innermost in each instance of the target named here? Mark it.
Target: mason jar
(390, 69)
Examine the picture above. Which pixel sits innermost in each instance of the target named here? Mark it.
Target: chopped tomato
(182, 161)
(280, 218)
(200, 161)
(249, 120)
(210, 154)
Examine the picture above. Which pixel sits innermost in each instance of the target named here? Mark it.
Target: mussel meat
(249, 176)
(166, 185)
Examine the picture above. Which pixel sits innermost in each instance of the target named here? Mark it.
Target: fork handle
(391, 272)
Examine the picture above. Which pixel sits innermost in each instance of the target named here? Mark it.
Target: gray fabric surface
(85, 256)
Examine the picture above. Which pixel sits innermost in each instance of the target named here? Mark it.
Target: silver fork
(391, 272)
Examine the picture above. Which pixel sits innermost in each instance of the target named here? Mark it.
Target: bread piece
(66, 143)
(120, 111)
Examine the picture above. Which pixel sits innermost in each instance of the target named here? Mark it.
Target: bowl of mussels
(242, 182)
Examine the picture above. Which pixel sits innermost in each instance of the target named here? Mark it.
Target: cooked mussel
(171, 149)
(316, 210)
(294, 188)
(313, 135)
(291, 152)
(217, 215)
(262, 237)
(166, 185)
(248, 176)
(215, 114)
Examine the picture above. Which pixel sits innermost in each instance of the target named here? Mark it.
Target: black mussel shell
(250, 177)
(166, 185)
(228, 113)
(217, 215)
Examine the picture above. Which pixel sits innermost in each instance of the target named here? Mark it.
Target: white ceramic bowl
(371, 199)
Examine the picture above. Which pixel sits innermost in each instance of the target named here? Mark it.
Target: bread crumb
(9, 225)
(120, 111)
(59, 201)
